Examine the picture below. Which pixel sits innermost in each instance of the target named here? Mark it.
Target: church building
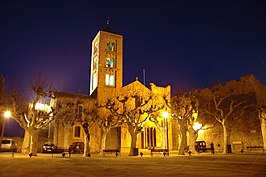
(106, 83)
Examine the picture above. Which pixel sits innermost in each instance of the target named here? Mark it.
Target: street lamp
(165, 115)
(7, 115)
(197, 126)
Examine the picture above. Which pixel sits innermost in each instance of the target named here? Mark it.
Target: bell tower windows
(110, 62)
(110, 46)
(110, 80)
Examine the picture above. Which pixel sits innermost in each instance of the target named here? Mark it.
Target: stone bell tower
(106, 64)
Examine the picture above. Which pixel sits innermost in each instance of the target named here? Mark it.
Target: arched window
(110, 80)
(110, 46)
(110, 62)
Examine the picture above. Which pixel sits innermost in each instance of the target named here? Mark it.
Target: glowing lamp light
(7, 114)
(165, 114)
(39, 106)
(42, 107)
(197, 126)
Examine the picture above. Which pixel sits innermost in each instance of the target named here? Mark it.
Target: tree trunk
(87, 152)
(66, 137)
(263, 131)
(193, 135)
(226, 133)
(25, 149)
(34, 142)
(133, 143)
(183, 143)
(104, 132)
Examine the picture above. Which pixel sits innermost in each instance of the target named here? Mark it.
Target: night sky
(185, 44)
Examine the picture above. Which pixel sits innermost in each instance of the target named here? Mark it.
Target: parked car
(8, 145)
(76, 147)
(200, 146)
(49, 147)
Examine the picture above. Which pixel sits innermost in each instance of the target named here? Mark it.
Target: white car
(8, 145)
(49, 147)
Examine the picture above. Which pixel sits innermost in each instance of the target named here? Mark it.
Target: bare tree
(106, 122)
(262, 117)
(67, 113)
(192, 131)
(2, 95)
(30, 117)
(89, 119)
(73, 108)
(2, 87)
(134, 112)
(183, 109)
(226, 106)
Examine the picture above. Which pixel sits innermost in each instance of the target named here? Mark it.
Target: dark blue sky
(185, 44)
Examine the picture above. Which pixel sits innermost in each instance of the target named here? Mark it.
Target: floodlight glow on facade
(165, 114)
(197, 126)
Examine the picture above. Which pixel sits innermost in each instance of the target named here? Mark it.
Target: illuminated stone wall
(59, 131)
(245, 129)
(157, 94)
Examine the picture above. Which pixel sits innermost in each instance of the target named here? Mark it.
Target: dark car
(200, 146)
(49, 147)
(76, 147)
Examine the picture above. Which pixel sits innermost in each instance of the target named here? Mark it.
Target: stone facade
(118, 137)
(246, 131)
(151, 135)
(106, 83)
(65, 130)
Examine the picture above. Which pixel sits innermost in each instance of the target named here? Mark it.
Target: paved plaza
(200, 165)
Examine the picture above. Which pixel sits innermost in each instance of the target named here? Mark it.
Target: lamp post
(165, 115)
(7, 115)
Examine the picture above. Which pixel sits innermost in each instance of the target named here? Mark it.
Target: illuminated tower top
(106, 63)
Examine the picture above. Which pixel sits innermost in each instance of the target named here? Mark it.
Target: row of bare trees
(228, 103)
(133, 111)
(224, 103)
(83, 110)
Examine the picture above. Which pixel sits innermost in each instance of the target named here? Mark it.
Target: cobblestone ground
(204, 165)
